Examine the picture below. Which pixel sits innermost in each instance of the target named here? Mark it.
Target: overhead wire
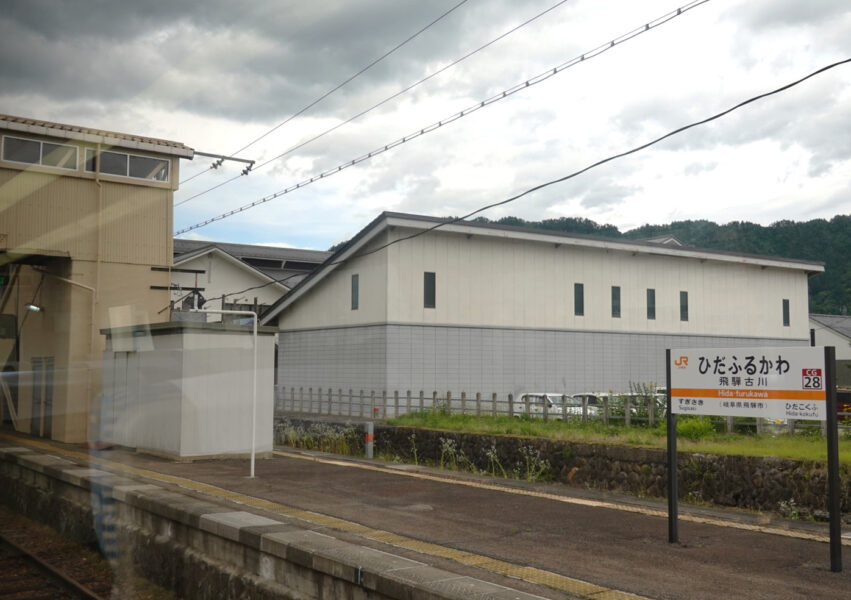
(384, 101)
(335, 88)
(609, 159)
(467, 111)
(591, 166)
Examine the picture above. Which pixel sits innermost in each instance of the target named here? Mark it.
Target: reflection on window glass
(35, 152)
(90, 160)
(145, 167)
(18, 150)
(113, 163)
(58, 155)
(129, 165)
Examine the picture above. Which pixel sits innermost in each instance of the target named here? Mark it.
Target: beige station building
(85, 244)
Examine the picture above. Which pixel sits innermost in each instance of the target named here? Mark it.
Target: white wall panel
(502, 282)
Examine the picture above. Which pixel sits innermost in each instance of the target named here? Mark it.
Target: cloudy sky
(218, 74)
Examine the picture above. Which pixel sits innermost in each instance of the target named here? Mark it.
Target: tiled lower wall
(479, 359)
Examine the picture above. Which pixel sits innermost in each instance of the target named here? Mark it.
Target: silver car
(539, 404)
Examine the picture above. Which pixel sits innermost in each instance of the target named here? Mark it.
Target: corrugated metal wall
(47, 212)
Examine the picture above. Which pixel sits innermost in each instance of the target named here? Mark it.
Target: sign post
(771, 383)
(833, 484)
(673, 488)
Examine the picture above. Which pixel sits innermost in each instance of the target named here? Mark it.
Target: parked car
(575, 404)
(616, 403)
(540, 403)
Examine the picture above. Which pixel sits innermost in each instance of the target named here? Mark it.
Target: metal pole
(833, 483)
(254, 380)
(254, 399)
(673, 534)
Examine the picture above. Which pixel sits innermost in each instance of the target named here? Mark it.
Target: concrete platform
(395, 528)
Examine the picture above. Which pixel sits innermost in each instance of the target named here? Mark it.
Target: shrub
(694, 428)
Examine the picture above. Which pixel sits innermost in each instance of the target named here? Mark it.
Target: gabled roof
(840, 324)
(213, 249)
(288, 264)
(667, 239)
(426, 224)
(94, 136)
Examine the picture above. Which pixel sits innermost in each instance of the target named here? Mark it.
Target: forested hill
(820, 240)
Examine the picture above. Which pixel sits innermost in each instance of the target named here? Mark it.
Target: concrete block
(351, 562)
(280, 544)
(192, 509)
(82, 477)
(253, 535)
(229, 524)
(121, 492)
(403, 583)
(38, 462)
(468, 588)
(13, 450)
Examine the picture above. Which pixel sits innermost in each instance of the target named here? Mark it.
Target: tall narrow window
(786, 313)
(578, 299)
(651, 304)
(355, 298)
(683, 306)
(616, 302)
(429, 290)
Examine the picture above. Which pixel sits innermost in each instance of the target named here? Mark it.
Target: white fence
(384, 405)
(626, 409)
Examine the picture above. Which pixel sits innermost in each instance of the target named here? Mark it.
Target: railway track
(25, 576)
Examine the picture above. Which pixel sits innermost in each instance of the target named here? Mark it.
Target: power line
(593, 165)
(434, 126)
(328, 93)
(606, 160)
(385, 101)
(334, 89)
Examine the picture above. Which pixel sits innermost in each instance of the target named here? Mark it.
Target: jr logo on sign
(681, 362)
(811, 379)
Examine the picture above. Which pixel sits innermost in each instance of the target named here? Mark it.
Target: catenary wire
(382, 102)
(434, 126)
(605, 160)
(594, 165)
(337, 87)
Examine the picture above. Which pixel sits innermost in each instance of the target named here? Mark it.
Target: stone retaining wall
(788, 487)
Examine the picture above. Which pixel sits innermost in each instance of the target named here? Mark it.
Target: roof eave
(93, 138)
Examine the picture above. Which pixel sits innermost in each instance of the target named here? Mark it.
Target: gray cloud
(790, 12)
(247, 61)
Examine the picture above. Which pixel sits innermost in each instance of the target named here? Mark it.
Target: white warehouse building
(472, 307)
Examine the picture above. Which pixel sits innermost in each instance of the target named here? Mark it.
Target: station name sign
(772, 383)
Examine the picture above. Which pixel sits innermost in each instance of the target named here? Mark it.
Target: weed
(536, 468)
(448, 453)
(321, 436)
(789, 509)
(695, 428)
(413, 439)
(493, 462)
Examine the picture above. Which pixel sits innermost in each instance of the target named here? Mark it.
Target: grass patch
(696, 434)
